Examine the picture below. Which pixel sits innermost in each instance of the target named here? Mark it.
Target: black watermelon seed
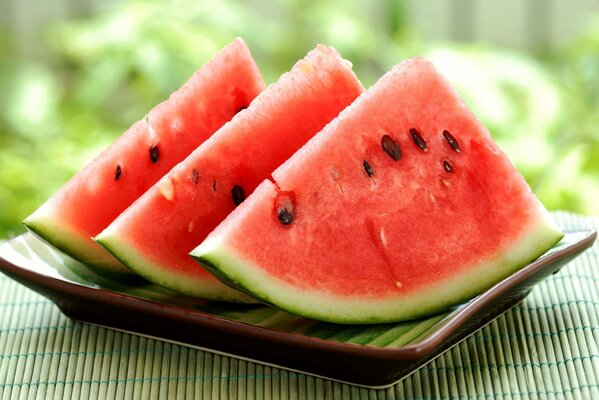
(368, 168)
(240, 109)
(418, 140)
(214, 185)
(195, 176)
(447, 166)
(154, 154)
(284, 207)
(238, 195)
(117, 174)
(451, 140)
(391, 148)
(285, 216)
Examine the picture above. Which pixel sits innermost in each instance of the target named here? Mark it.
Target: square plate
(368, 355)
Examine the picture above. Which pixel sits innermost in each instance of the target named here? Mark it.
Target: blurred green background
(75, 74)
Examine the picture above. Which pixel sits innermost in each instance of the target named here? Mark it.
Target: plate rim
(200, 318)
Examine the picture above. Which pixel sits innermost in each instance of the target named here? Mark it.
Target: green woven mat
(547, 347)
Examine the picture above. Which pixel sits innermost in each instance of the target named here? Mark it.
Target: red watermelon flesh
(154, 236)
(399, 208)
(98, 193)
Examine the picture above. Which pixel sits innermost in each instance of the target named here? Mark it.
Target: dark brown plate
(370, 355)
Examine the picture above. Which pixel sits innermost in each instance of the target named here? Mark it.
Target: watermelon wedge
(143, 154)
(154, 236)
(401, 207)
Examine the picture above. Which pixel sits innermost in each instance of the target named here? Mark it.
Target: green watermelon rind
(231, 268)
(65, 239)
(189, 286)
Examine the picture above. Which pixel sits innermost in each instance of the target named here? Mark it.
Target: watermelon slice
(401, 207)
(143, 154)
(154, 236)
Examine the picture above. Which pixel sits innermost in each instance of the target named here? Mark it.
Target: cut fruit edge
(190, 285)
(230, 267)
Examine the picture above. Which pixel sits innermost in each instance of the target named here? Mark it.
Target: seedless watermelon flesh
(98, 193)
(154, 236)
(401, 207)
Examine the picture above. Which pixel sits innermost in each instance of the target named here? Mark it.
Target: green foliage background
(105, 72)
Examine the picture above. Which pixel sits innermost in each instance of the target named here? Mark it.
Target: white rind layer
(187, 284)
(536, 239)
(69, 241)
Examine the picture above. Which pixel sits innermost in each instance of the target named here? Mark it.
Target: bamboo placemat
(546, 347)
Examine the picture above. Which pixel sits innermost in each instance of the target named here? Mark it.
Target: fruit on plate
(154, 236)
(99, 192)
(399, 208)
